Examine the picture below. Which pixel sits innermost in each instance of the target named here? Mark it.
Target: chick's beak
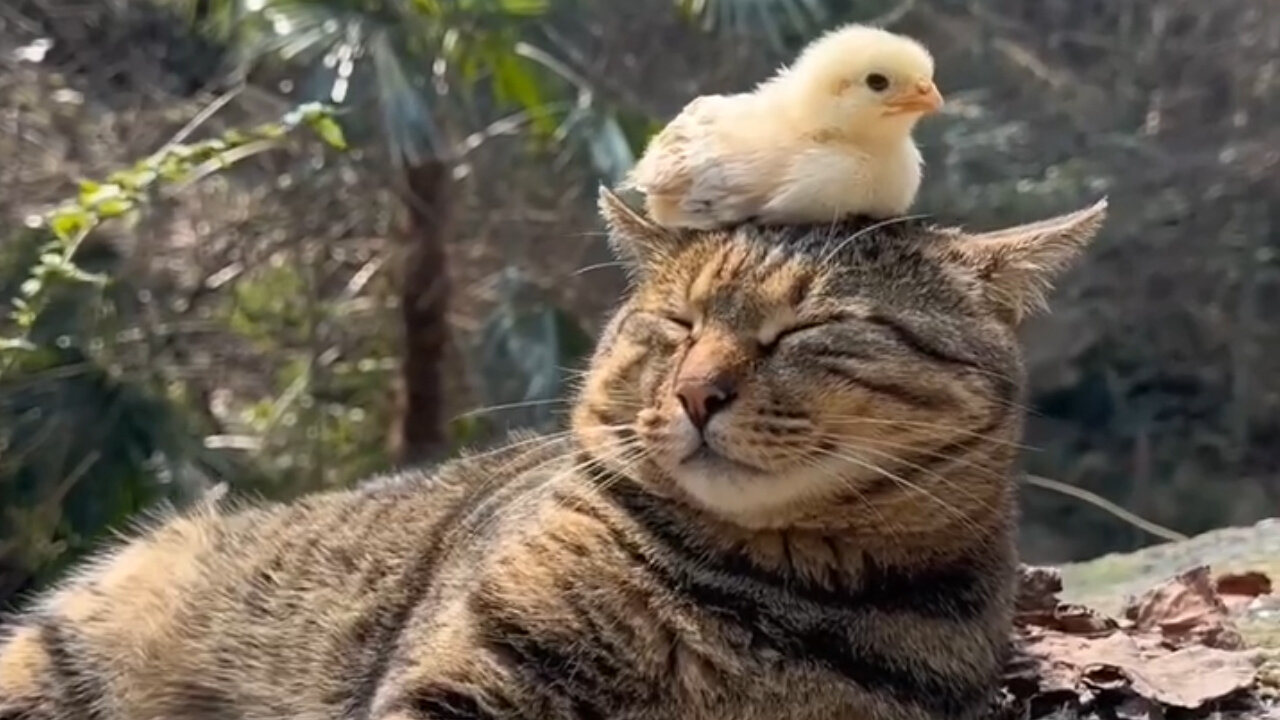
(922, 97)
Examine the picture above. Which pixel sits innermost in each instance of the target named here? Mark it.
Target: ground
(1105, 583)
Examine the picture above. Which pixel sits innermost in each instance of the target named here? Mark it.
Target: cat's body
(620, 572)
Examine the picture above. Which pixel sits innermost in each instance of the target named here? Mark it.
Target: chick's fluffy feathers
(810, 144)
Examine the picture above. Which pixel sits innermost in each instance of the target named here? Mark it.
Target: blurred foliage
(418, 71)
(121, 193)
(82, 446)
(527, 350)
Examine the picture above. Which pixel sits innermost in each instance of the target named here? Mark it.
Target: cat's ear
(635, 239)
(1019, 264)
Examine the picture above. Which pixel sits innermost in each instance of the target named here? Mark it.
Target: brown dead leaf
(1038, 605)
(1139, 708)
(1141, 664)
(1237, 590)
(1186, 610)
(1081, 620)
(1196, 675)
(1250, 583)
(1177, 651)
(1070, 619)
(1038, 589)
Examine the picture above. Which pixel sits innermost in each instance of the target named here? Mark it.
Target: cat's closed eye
(680, 321)
(770, 341)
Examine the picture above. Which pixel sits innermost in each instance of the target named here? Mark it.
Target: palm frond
(400, 57)
(405, 113)
(777, 20)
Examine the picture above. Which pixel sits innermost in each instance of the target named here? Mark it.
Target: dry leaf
(1038, 588)
(1139, 708)
(1080, 620)
(1188, 678)
(1179, 653)
(1238, 590)
(1038, 605)
(1249, 583)
(1186, 610)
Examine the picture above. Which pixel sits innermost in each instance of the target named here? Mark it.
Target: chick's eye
(877, 82)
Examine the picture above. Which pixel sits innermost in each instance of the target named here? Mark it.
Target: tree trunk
(425, 224)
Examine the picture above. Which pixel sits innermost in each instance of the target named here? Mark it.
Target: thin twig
(209, 111)
(1105, 505)
(595, 77)
(226, 159)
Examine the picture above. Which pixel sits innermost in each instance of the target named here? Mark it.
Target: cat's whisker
(508, 445)
(945, 457)
(1015, 406)
(510, 406)
(598, 266)
(811, 461)
(629, 463)
(838, 420)
(898, 479)
(628, 452)
(826, 260)
(897, 458)
(469, 530)
(537, 443)
(993, 374)
(530, 498)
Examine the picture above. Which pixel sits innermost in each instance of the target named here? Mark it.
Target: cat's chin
(744, 495)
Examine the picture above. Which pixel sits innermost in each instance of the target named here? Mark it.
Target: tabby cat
(786, 494)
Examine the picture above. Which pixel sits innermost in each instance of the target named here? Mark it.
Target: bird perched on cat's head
(826, 137)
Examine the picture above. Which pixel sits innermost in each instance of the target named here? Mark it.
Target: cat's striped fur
(841, 548)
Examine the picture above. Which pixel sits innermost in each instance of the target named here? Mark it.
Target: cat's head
(810, 376)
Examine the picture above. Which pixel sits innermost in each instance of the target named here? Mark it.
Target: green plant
(84, 445)
(173, 167)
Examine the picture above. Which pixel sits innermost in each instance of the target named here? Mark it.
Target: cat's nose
(703, 397)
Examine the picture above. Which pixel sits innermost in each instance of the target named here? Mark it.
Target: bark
(424, 228)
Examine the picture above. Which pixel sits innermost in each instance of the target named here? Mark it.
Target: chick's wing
(674, 156)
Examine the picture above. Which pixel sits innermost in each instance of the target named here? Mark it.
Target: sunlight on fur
(786, 492)
(831, 366)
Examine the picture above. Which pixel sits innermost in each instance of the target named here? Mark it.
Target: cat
(786, 493)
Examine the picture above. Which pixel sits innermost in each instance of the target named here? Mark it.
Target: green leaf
(172, 169)
(527, 8)
(70, 223)
(302, 113)
(515, 81)
(328, 130)
(611, 153)
(16, 345)
(133, 179)
(114, 207)
(88, 190)
(270, 131)
(74, 273)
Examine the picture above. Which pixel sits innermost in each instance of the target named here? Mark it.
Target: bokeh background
(306, 316)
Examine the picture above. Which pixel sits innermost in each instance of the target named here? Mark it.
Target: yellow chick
(827, 137)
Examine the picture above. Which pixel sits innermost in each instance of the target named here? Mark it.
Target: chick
(827, 137)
